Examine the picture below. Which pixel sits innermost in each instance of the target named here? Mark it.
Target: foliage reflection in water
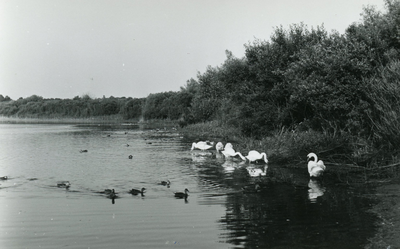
(295, 213)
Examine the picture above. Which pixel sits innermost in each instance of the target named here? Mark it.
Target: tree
(133, 108)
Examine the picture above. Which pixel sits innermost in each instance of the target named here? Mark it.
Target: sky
(132, 48)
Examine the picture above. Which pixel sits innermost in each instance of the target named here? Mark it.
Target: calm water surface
(35, 213)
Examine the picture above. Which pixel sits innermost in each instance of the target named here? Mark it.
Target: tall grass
(384, 92)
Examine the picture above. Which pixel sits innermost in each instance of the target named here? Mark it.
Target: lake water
(218, 213)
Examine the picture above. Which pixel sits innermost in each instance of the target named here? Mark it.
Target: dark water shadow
(287, 209)
(282, 215)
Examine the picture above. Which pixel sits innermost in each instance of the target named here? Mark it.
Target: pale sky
(131, 48)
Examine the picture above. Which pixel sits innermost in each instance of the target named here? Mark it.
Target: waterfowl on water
(202, 145)
(219, 147)
(4, 178)
(63, 184)
(165, 183)
(107, 191)
(256, 171)
(230, 152)
(137, 191)
(130, 156)
(111, 194)
(182, 194)
(255, 156)
(315, 168)
(82, 151)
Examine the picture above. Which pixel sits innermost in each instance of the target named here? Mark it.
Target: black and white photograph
(220, 124)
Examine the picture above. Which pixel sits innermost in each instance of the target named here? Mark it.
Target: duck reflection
(315, 190)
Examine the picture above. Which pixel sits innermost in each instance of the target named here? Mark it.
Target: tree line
(301, 78)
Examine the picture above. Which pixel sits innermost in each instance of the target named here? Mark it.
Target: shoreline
(92, 120)
(15, 120)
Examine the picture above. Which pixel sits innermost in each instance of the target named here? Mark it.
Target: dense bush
(303, 78)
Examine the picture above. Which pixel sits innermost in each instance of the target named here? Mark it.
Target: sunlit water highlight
(35, 213)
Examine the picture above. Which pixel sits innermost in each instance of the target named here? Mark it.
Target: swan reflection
(200, 156)
(230, 165)
(315, 190)
(254, 172)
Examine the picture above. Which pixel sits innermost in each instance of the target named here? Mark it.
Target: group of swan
(315, 167)
(228, 151)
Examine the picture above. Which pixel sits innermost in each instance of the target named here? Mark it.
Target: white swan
(202, 145)
(230, 152)
(253, 172)
(254, 156)
(219, 147)
(315, 168)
